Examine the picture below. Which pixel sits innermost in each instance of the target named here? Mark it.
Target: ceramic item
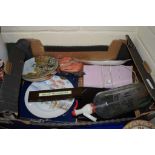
(49, 109)
(139, 124)
(39, 68)
(103, 63)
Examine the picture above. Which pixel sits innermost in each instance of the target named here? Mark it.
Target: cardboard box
(118, 49)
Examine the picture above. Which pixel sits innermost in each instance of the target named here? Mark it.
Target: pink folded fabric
(107, 76)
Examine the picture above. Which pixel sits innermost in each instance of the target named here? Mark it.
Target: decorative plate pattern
(139, 124)
(50, 109)
(39, 68)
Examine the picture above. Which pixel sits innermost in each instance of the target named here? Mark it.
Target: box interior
(118, 50)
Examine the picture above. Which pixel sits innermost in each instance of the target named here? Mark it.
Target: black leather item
(25, 46)
(10, 86)
(118, 101)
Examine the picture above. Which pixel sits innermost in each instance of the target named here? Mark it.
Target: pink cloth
(107, 76)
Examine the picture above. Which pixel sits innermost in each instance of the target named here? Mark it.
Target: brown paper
(37, 47)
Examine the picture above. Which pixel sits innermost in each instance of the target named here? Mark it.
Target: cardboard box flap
(37, 47)
(110, 54)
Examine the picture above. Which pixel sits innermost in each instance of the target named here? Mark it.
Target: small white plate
(50, 109)
(30, 65)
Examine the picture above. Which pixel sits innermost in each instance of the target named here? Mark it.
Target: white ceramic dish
(50, 109)
(104, 63)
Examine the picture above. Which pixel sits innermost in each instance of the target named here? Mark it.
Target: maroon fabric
(1, 70)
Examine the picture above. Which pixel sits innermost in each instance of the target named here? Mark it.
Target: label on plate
(55, 93)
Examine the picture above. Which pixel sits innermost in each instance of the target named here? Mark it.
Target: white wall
(69, 35)
(145, 43)
(3, 50)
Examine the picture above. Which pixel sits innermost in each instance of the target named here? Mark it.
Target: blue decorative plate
(50, 109)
